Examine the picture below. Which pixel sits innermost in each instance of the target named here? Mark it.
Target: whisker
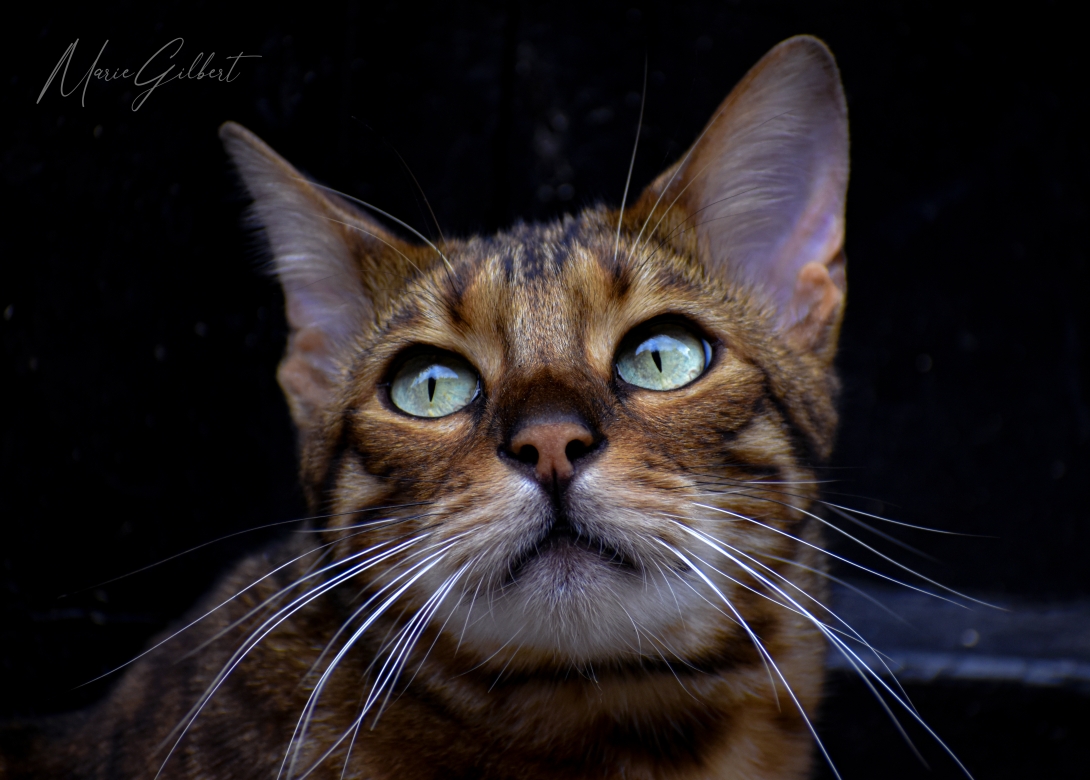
(377, 237)
(425, 565)
(635, 628)
(382, 523)
(770, 663)
(737, 616)
(843, 583)
(386, 214)
(499, 675)
(849, 631)
(498, 651)
(261, 632)
(412, 175)
(849, 654)
(422, 619)
(671, 588)
(891, 539)
(223, 538)
(853, 563)
(631, 164)
(839, 508)
(841, 647)
(408, 637)
(469, 565)
(192, 623)
(469, 612)
(359, 611)
(315, 573)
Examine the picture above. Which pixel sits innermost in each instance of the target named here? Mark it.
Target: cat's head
(567, 438)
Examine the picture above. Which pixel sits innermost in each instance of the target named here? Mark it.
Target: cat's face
(557, 483)
(587, 441)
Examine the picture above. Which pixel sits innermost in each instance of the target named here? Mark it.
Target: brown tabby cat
(564, 482)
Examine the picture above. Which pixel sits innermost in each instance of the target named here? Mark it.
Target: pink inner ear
(766, 183)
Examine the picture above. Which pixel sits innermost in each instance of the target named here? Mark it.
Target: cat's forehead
(542, 292)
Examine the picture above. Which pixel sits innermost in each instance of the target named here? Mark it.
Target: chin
(570, 604)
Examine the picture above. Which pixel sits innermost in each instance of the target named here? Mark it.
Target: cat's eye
(663, 357)
(433, 385)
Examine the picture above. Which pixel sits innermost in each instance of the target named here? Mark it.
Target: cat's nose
(552, 447)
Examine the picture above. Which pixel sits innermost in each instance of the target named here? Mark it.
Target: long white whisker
(403, 634)
(443, 626)
(469, 612)
(825, 628)
(672, 592)
(765, 656)
(856, 521)
(853, 563)
(631, 164)
(499, 676)
(214, 609)
(853, 658)
(379, 524)
(841, 509)
(262, 631)
(848, 631)
(386, 214)
(224, 538)
(842, 583)
(498, 651)
(424, 566)
(715, 589)
(364, 606)
(309, 576)
(421, 617)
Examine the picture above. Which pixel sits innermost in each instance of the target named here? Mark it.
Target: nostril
(551, 448)
(575, 450)
(527, 454)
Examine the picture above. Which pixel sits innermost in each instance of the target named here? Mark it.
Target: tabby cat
(566, 520)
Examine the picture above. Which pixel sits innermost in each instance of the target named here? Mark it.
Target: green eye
(433, 385)
(665, 357)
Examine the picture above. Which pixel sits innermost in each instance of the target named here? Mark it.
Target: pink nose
(552, 447)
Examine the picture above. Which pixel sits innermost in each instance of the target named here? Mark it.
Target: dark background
(141, 338)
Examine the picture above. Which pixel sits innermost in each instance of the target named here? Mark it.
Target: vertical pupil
(431, 389)
(657, 358)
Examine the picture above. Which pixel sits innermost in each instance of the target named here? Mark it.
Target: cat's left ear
(764, 189)
(336, 266)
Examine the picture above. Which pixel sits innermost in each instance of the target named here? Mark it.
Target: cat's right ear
(763, 191)
(334, 264)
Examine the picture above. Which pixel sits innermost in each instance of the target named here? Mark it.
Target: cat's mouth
(562, 545)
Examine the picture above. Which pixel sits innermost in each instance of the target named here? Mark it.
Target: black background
(142, 415)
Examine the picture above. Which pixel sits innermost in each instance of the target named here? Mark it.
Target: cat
(566, 523)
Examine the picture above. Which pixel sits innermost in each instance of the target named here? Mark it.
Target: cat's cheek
(356, 488)
(420, 455)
